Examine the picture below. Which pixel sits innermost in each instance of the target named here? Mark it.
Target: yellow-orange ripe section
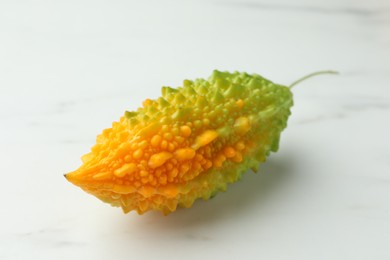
(187, 144)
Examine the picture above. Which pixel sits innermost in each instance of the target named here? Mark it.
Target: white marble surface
(70, 68)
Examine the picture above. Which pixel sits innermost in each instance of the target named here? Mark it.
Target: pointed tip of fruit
(71, 177)
(68, 177)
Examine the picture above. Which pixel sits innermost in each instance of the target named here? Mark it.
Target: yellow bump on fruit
(168, 136)
(162, 179)
(149, 130)
(208, 164)
(147, 191)
(229, 152)
(102, 176)
(240, 146)
(123, 189)
(170, 190)
(122, 150)
(185, 131)
(156, 160)
(156, 140)
(185, 154)
(240, 103)
(138, 154)
(143, 144)
(171, 205)
(87, 157)
(184, 168)
(171, 147)
(205, 138)
(147, 102)
(237, 158)
(144, 173)
(164, 144)
(143, 206)
(173, 173)
(220, 159)
(125, 169)
(242, 125)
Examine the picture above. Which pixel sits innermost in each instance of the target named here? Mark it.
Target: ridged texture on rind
(187, 144)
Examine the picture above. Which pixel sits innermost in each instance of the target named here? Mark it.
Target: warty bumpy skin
(187, 144)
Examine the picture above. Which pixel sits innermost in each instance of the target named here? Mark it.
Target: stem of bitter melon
(312, 75)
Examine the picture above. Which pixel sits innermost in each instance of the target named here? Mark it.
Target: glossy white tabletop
(70, 68)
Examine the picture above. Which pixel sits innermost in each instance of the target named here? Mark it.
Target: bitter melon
(188, 144)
